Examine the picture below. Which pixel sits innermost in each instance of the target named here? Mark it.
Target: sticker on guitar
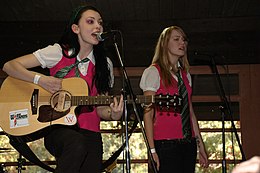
(18, 118)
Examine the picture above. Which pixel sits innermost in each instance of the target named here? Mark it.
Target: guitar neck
(107, 100)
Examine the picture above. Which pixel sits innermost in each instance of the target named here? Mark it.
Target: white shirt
(150, 80)
(52, 54)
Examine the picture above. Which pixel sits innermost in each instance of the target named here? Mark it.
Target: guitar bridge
(34, 101)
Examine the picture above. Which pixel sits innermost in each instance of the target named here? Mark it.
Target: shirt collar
(178, 66)
(90, 57)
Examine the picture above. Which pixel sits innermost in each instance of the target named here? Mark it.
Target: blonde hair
(161, 56)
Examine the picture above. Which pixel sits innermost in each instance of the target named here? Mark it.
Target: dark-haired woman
(77, 54)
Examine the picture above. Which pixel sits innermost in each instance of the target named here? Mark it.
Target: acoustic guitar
(26, 108)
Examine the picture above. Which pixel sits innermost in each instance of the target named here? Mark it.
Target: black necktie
(185, 113)
(64, 71)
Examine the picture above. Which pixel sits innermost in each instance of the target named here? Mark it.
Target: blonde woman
(173, 136)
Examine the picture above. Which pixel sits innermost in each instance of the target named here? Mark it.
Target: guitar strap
(19, 143)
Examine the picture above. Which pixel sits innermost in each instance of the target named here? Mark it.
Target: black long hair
(69, 41)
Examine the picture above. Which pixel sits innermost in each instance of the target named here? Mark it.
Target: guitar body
(20, 104)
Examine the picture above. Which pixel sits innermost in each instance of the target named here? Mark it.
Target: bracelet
(153, 150)
(36, 79)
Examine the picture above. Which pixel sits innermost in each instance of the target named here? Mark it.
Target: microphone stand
(20, 162)
(133, 97)
(225, 108)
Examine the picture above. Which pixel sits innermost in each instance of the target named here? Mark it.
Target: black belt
(177, 141)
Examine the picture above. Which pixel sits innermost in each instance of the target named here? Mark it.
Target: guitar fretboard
(106, 100)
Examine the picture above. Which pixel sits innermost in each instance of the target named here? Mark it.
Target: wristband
(36, 79)
(153, 150)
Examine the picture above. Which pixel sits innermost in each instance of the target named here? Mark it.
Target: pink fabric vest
(168, 125)
(86, 120)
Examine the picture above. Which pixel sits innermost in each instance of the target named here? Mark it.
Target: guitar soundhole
(61, 101)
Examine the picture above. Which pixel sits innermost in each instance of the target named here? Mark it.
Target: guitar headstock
(169, 102)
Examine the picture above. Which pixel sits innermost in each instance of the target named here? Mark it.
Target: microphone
(102, 36)
(197, 53)
(206, 58)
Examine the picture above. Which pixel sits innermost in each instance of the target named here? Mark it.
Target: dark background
(226, 29)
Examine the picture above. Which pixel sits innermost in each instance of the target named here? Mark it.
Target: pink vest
(168, 125)
(86, 120)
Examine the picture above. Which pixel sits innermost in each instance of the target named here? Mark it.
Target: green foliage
(112, 141)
